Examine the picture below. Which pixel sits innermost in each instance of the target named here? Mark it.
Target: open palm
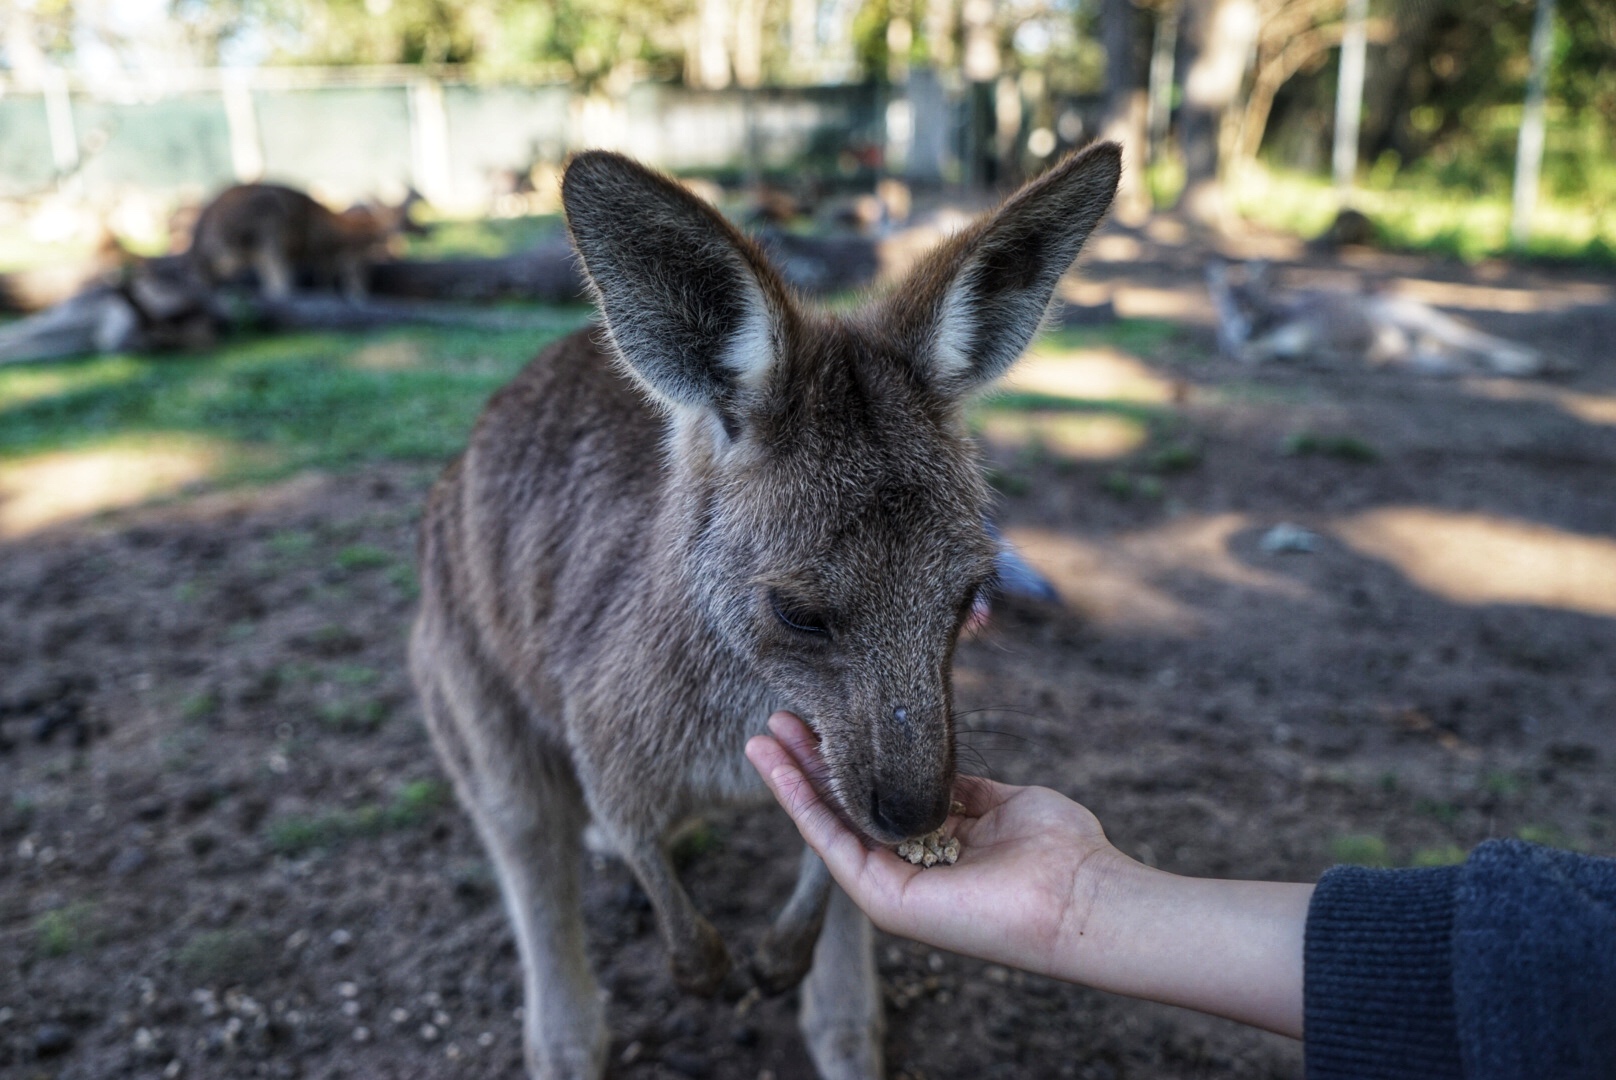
(1032, 862)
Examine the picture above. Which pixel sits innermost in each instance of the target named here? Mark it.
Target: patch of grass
(482, 237)
(412, 805)
(225, 956)
(291, 543)
(1547, 835)
(1361, 849)
(199, 707)
(69, 929)
(403, 578)
(1502, 782)
(1446, 855)
(1143, 337)
(276, 404)
(1172, 457)
(1422, 214)
(357, 717)
(1124, 485)
(1441, 810)
(1341, 447)
(363, 557)
(354, 674)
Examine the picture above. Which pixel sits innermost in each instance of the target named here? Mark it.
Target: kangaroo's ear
(972, 308)
(691, 306)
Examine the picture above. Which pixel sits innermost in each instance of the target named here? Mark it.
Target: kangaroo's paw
(783, 959)
(562, 1052)
(842, 1051)
(700, 964)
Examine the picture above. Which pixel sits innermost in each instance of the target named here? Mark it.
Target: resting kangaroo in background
(717, 505)
(283, 235)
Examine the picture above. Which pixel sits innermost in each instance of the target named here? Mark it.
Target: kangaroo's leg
(841, 999)
(695, 950)
(274, 268)
(527, 806)
(787, 951)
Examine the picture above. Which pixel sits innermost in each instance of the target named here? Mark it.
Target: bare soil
(226, 849)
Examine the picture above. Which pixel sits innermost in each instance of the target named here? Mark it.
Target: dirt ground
(227, 851)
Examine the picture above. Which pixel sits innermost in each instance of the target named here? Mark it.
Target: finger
(844, 854)
(799, 741)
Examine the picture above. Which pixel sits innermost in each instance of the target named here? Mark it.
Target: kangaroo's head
(835, 537)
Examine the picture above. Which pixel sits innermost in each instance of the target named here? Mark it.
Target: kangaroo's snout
(902, 812)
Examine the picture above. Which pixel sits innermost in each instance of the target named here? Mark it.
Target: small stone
(485, 1040)
(173, 1068)
(348, 989)
(428, 1032)
(1286, 538)
(341, 939)
(53, 1039)
(956, 807)
(441, 1018)
(5, 1015)
(350, 1008)
(361, 1034)
(399, 1016)
(452, 1051)
(631, 1053)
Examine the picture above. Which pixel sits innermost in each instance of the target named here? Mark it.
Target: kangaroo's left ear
(972, 308)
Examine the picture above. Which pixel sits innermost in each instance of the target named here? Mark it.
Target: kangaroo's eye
(798, 616)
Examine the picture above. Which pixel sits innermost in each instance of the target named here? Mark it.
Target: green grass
(481, 237)
(1413, 214)
(275, 405)
(1361, 849)
(69, 929)
(411, 806)
(1341, 447)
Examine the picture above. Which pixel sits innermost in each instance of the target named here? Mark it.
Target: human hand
(1032, 863)
(1039, 887)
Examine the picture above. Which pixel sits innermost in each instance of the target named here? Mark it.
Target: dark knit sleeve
(1534, 963)
(1500, 969)
(1378, 975)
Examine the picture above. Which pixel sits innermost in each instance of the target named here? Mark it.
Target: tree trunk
(1220, 34)
(1125, 105)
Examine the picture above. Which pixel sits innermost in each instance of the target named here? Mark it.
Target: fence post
(429, 142)
(1349, 98)
(241, 119)
(64, 137)
(1529, 151)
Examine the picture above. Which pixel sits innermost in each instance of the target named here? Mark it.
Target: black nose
(903, 815)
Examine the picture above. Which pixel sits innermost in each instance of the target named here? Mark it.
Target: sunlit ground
(1124, 582)
(1589, 408)
(1487, 559)
(41, 490)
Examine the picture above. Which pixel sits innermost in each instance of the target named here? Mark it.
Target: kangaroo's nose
(903, 815)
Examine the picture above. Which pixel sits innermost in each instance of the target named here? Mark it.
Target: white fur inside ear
(955, 331)
(750, 352)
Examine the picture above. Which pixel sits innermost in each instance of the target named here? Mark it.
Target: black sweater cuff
(1378, 994)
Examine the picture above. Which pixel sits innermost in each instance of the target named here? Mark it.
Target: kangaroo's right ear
(691, 306)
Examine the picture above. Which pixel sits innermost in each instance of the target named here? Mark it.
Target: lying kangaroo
(1258, 322)
(285, 236)
(717, 505)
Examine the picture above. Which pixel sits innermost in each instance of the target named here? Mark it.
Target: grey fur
(610, 571)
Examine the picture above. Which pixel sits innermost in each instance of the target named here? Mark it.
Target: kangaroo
(718, 504)
(284, 235)
(1259, 322)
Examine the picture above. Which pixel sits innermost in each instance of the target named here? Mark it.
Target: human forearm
(1229, 948)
